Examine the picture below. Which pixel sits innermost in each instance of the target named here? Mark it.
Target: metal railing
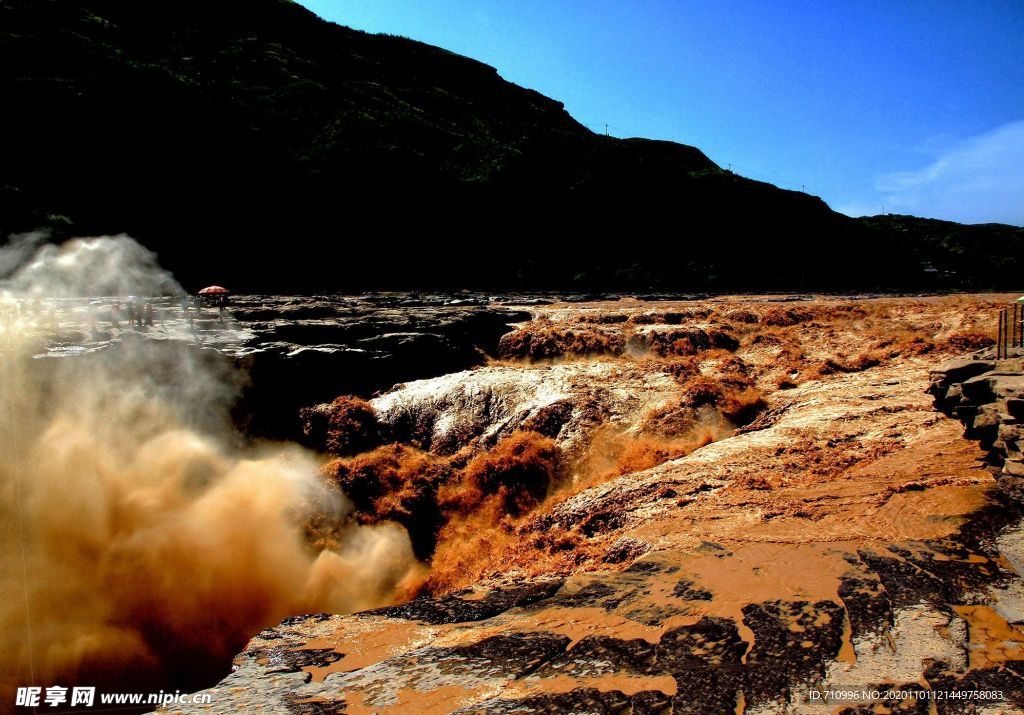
(1011, 330)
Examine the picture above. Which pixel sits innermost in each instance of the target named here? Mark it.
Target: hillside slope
(254, 144)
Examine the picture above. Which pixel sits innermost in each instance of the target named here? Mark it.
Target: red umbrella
(214, 290)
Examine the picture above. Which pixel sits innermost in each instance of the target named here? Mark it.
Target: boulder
(946, 378)
(1013, 468)
(985, 425)
(988, 397)
(959, 369)
(994, 387)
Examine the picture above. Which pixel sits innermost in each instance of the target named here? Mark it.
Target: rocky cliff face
(841, 535)
(302, 351)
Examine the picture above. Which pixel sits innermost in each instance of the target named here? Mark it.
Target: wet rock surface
(768, 659)
(456, 609)
(847, 537)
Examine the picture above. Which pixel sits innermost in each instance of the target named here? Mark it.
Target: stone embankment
(987, 395)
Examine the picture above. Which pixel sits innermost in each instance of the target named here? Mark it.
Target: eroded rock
(987, 396)
(846, 539)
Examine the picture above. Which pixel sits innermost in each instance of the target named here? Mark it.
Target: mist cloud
(140, 544)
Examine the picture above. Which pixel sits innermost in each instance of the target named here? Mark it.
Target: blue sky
(914, 105)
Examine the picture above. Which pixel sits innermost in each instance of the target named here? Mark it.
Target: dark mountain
(251, 143)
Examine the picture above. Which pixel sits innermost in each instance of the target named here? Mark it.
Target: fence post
(1000, 343)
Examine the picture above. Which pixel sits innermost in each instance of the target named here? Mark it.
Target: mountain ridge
(259, 145)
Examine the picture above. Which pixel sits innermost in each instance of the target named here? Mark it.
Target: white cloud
(977, 180)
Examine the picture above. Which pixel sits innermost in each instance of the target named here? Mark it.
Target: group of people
(147, 314)
(138, 315)
(144, 315)
(192, 306)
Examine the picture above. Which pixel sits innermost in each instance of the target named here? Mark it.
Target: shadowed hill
(254, 144)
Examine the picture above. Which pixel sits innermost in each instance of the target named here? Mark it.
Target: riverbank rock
(987, 395)
(845, 541)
